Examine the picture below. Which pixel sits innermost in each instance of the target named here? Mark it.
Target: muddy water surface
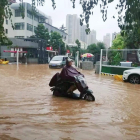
(29, 112)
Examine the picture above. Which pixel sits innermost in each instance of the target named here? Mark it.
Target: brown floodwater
(28, 111)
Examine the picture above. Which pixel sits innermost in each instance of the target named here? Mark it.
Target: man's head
(69, 62)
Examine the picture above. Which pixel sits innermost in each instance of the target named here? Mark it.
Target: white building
(25, 28)
(83, 35)
(73, 28)
(107, 40)
(83, 45)
(76, 31)
(11, 1)
(91, 38)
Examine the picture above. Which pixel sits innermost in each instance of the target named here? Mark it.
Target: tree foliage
(95, 49)
(43, 33)
(118, 42)
(115, 57)
(57, 43)
(63, 28)
(5, 13)
(52, 39)
(132, 39)
(78, 43)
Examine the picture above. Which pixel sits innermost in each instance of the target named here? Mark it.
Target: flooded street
(28, 111)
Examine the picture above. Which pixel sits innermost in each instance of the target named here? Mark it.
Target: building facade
(107, 40)
(83, 45)
(73, 28)
(11, 1)
(76, 31)
(83, 35)
(91, 38)
(25, 27)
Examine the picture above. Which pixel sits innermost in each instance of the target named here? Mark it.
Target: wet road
(29, 112)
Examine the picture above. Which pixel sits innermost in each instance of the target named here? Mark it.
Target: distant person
(51, 57)
(83, 59)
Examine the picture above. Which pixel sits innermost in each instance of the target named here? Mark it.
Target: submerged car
(58, 61)
(132, 76)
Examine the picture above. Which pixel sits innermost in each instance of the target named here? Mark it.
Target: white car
(58, 61)
(132, 76)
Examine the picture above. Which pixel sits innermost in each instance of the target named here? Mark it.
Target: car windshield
(57, 58)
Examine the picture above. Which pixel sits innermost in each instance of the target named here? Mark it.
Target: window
(29, 14)
(42, 20)
(35, 28)
(19, 36)
(6, 21)
(19, 26)
(36, 18)
(17, 13)
(29, 27)
(6, 31)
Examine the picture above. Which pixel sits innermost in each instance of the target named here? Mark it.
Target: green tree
(95, 49)
(118, 42)
(53, 39)
(5, 13)
(100, 45)
(42, 32)
(69, 48)
(74, 50)
(62, 28)
(57, 43)
(83, 51)
(92, 49)
(115, 57)
(78, 43)
(132, 39)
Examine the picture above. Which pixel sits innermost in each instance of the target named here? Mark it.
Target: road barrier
(116, 77)
(107, 74)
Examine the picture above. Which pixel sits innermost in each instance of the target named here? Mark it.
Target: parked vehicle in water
(132, 76)
(58, 61)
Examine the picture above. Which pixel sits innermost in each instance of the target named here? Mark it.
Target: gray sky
(64, 7)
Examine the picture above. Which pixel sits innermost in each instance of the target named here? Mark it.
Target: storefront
(51, 54)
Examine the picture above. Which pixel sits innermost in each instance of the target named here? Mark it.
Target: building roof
(29, 7)
(55, 28)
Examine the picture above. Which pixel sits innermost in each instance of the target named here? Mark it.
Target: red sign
(49, 48)
(15, 51)
(68, 51)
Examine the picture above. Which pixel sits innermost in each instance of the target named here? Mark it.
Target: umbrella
(87, 55)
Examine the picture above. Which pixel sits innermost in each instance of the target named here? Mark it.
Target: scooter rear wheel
(56, 93)
(89, 97)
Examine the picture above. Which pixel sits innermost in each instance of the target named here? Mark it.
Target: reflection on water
(29, 112)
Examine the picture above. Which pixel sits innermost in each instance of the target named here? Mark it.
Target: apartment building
(107, 40)
(25, 27)
(91, 38)
(73, 28)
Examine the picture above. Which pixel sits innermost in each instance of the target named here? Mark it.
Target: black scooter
(61, 87)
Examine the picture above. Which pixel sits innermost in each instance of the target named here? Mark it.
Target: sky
(64, 7)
